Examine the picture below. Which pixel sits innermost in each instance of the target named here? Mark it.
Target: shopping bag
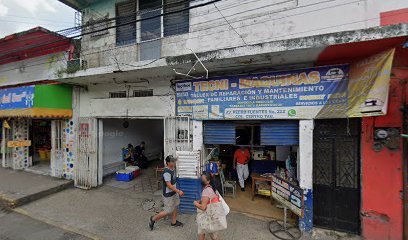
(213, 219)
(224, 205)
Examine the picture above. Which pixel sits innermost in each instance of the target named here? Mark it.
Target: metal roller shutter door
(280, 133)
(219, 133)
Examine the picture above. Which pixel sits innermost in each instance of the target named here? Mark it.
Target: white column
(197, 135)
(306, 172)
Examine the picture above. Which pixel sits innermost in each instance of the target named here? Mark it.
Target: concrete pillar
(306, 172)
(197, 135)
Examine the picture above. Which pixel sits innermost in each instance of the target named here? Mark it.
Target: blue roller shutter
(219, 133)
(280, 133)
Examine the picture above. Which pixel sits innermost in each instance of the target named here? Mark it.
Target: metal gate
(336, 174)
(57, 153)
(7, 153)
(86, 173)
(177, 135)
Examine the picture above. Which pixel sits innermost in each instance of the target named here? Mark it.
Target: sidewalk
(20, 187)
(112, 213)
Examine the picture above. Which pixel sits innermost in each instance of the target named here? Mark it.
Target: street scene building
(299, 106)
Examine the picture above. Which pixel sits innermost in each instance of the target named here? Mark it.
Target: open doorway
(118, 134)
(40, 149)
(272, 147)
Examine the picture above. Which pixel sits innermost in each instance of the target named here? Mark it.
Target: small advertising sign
(288, 194)
(24, 143)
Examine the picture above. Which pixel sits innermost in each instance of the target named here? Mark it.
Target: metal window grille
(143, 93)
(118, 94)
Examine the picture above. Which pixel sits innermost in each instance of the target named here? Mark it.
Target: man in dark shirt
(139, 155)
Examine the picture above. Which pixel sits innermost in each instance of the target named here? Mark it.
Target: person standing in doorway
(241, 160)
(171, 195)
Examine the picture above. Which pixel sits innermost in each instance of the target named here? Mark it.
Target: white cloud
(3, 9)
(35, 5)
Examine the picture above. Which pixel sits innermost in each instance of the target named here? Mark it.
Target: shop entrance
(270, 144)
(122, 137)
(336, 174)
(40, 149)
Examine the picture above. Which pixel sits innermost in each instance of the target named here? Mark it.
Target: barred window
(118, 94)
(143, 93)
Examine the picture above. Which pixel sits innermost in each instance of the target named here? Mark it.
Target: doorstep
(20, 187)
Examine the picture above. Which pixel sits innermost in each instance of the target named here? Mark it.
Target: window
(143, 93)
(177, 23)
(150, 29)
(125, 23)
(118, 94)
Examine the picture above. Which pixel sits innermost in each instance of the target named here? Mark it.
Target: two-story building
(324, 80)
(37, 131)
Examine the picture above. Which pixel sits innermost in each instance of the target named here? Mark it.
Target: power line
(106, 50)
(124, 24)
(154, 60)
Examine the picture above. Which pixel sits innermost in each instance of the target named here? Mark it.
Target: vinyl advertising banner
(320, 92)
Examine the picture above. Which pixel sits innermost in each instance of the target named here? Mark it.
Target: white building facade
(133, 60)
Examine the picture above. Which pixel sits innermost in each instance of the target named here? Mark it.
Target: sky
(21, 15)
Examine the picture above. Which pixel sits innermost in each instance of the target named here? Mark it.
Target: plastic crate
(124, 175)
(192, 191)
(135, 170)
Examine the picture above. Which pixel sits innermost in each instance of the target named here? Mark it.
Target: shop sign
(288, 194)
(24, 143)
(339, 91)
(16, 98)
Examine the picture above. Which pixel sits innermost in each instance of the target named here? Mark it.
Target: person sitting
(129, 155)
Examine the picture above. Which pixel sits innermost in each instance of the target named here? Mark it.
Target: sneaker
(151, 223)
(243, 189)
(177, 224)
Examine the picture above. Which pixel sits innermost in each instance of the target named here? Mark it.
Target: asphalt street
(14, 226)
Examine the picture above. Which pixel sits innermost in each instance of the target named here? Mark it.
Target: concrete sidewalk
(20, 187)
(112, 213)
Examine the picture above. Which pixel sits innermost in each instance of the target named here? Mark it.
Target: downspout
(405, 158)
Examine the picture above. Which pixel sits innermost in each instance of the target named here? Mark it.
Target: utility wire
(328, 27)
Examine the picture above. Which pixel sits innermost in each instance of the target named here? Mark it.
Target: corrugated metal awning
(280, 133)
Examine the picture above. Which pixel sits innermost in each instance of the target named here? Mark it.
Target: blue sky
(20, 15)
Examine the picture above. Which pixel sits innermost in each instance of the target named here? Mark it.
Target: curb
(17, 202)
(58, 225)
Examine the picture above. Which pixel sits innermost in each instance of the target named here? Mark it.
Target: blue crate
(192, 191)
(124, 175)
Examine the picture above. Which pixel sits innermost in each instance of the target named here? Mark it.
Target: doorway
(336, 174)
(40, 149)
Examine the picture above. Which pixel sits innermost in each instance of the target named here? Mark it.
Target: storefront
(38, 130)
(277, 117)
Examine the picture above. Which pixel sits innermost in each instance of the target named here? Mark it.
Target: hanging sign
(24, 143)
(288, 195)
(339, 91)
(15, 98)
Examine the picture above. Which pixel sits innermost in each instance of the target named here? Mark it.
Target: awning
(37, 101)
(37, 113)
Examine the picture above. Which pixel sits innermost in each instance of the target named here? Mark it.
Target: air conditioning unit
(76, 65)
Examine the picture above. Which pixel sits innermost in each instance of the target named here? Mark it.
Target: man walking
(170, 195)
(241, 160)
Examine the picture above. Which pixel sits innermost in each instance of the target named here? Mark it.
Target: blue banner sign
(297, 94)
(17, 98)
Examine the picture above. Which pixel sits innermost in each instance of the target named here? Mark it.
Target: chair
(227, 184)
